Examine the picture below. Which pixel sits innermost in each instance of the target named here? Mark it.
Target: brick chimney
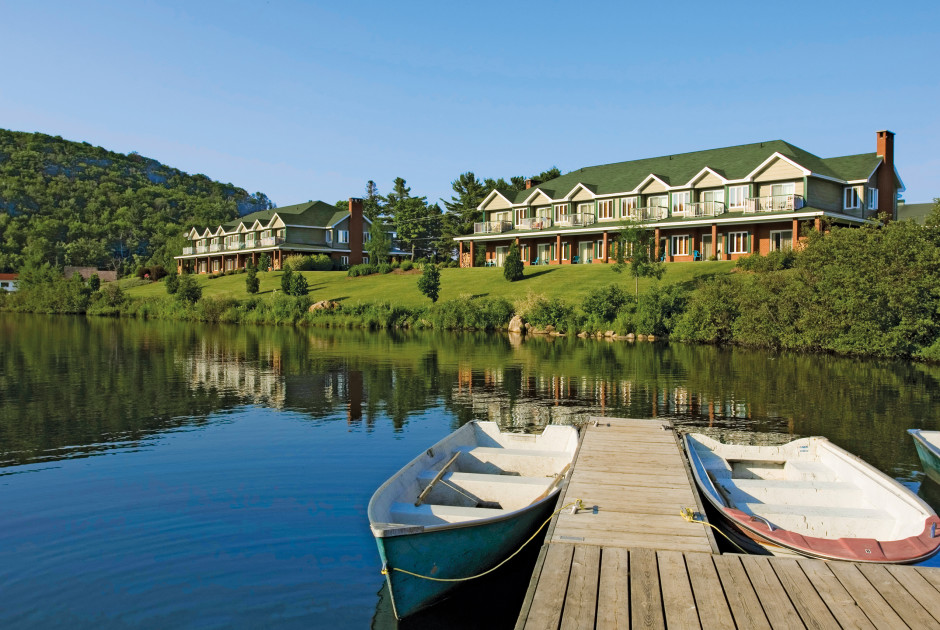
(528, 183)
(355, 231)
(887, 194)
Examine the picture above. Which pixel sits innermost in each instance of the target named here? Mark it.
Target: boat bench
(430, 514)
(513, 461)
(465, 478)
(781, 491)
(773, 510)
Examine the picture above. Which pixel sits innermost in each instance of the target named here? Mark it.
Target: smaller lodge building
(718, 204)
(308, 228)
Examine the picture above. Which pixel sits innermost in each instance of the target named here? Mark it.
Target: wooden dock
(636, 563)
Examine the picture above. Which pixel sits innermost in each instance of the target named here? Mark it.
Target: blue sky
(309, 100)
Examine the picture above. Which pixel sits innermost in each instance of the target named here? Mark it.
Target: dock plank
(866, 596)
(646, 602)
(743, 601)
(678, 602)
(710, 598)
(810, 606)
(581, 598)
(613, 596)
(774, 599)
(918, 586)
(897, 596)
(547, 604)
(842, 605)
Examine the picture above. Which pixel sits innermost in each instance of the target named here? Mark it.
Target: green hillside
(71, 203)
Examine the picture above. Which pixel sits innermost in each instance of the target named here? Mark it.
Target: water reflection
(71, 381)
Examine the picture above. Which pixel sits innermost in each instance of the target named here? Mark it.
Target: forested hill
(71, 203)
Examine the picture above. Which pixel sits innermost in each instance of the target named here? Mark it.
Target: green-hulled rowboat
(927, 444)
(463, 506)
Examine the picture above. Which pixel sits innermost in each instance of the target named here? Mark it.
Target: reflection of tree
(67, 381)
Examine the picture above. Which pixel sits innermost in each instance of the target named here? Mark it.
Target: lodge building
(715, 204)
(308, 228)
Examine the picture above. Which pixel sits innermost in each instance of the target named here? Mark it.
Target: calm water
(157, 475)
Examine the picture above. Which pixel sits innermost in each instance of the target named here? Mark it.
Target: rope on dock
(577, 504)
(689, 515)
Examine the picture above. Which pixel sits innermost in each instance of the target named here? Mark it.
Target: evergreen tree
(463, 206)
(252, 284)
(379, 244)
(94, 282)
(513, 269)
(430, 282)
(286, 278)
(264, 262)
(298, 285)
(172, 283)
(372, 202)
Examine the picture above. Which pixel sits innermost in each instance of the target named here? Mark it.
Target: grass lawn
(571, 282)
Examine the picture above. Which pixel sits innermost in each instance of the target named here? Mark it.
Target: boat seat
(462, 478)
(814, 511)
(781, 491)
(746, 484)
(524, 462)
(430, 514)
(808, 471)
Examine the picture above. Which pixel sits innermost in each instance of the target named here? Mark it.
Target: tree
(379, 244)
(463, 206)
(933, 218)
(94, 282)
(513, 269)
(172, 283)
(636, 251)
(252, 284)
(264, 262)
(372, 203)
(298, 285)
(286, 278)
(430, 282)
(189, 290)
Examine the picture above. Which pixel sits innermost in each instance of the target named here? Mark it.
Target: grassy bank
(571, 283)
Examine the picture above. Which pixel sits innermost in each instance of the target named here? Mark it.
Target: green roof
(730, 162)
(311, 213)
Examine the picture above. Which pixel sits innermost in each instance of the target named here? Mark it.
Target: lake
(160, 474)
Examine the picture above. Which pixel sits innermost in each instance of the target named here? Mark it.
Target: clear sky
(309, 100)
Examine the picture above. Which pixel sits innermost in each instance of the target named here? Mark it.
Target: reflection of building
(250, 380)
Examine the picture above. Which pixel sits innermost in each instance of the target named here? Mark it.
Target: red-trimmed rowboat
(812, 498)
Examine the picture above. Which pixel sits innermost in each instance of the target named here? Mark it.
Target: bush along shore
(870, 291)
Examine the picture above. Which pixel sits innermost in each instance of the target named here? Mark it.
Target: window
(628, 207)
(738, 242)
(657, 201)
(344, 260)
(605, 209)
(736, 196)
(872, 198)
(565, 251)
(680, 245)
(329, 236)
(342, 236)
(782, 190)
(598, 249)
(850, 199)
(366, 237)
(680, 200)
(554, 251)
(781, 240)
(586, 208)
(365, 260)
(561, 210)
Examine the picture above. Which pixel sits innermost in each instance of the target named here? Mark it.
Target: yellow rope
(577, 502)
(689, 516)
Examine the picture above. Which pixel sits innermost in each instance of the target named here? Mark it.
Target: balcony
(249, 244)
(534, 223)
(271, 241)
(215, 247)
(773, 203)
(201, 249)
(704, 209)
(188, 251)
(648, 213)
(492, 227)
(234, 246)
(576, 219)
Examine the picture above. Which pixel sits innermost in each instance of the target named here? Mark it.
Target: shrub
(298, 285)
(658, 310)
(252, 284)
(361, 270)
(513, 269)
(321, 262)
(384, 268)
(189, 290)
(94, 282)
(264, 262)
(711, 312)
(286, 278)
(407, 265)
(430, 282)
(299, 262)
(554, 312)
(157, 272)
(604, 303)
(172, 283)
(112, 295)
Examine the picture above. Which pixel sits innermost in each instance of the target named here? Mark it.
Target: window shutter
(747, 247)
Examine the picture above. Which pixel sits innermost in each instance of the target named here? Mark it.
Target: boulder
(651, 337)
(631, 337)
(582, 334)
(516, 325)
(323, 305)
(609, 333)
(549, 329)
(641, 337)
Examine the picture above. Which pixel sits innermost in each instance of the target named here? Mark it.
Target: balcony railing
(189, 250)
(704, 209)
(270, 241)
(648, 213)
(215, 247)
(576, 219)
(534, 223)
(773, 203)
(492, 227)
(235, 246)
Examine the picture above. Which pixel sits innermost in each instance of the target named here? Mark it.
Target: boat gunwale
(930, 446)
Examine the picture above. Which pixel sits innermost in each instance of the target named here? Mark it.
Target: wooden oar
(554, 483)
(437, 478)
